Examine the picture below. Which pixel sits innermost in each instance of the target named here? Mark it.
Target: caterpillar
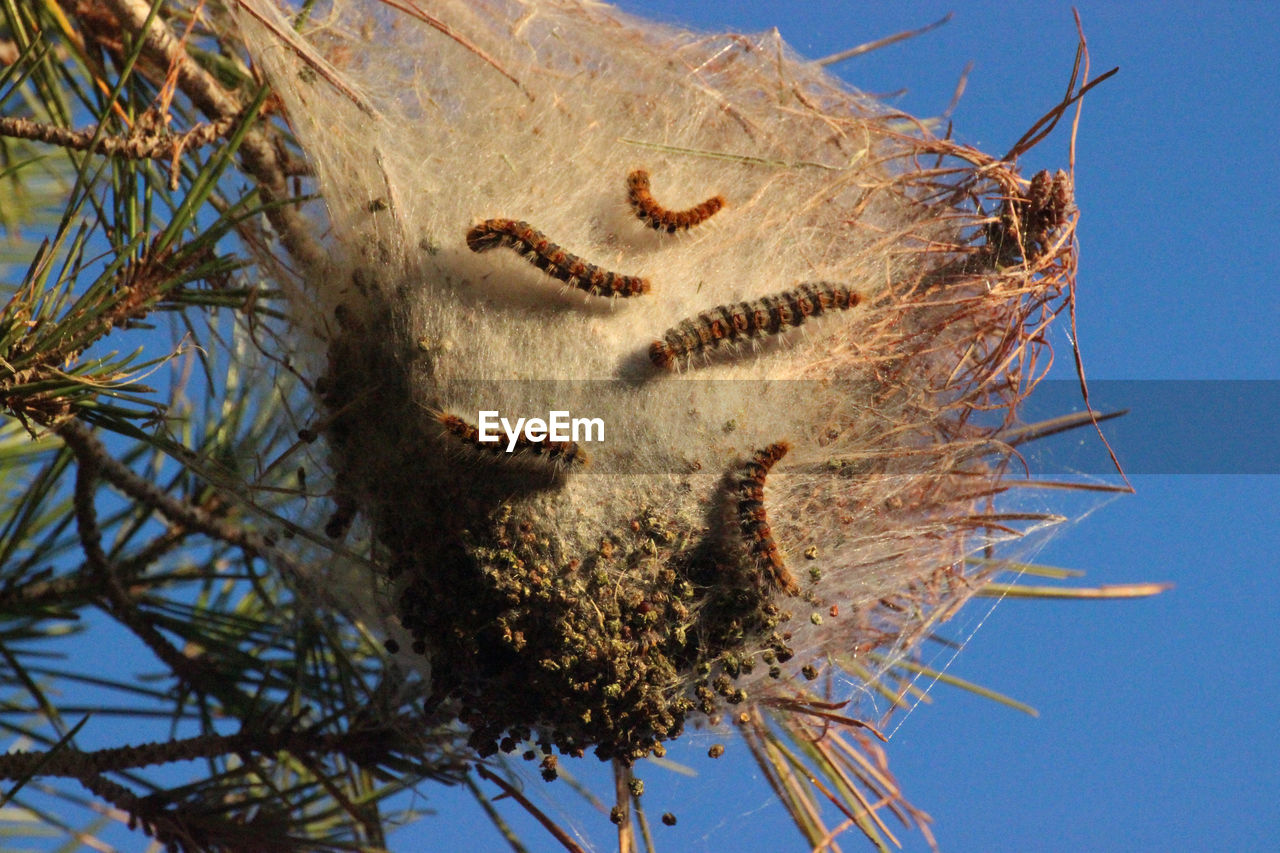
(752, 520)
(660, 218)
(343, 514)
(551, 259)
(1027, 223)
(768, 315)
(561, 453)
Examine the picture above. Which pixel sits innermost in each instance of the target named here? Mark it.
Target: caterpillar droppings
(753, 521)
(534, 246)
(565, 454)
(660, 218)
(769, 315)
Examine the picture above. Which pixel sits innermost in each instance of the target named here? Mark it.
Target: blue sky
(1157, 728)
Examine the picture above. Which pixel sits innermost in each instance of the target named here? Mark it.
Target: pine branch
(88, 448)
(139, 143)
(367, 746)
(260, 156)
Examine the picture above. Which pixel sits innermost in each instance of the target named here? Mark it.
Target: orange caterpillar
(769, 315)
(753, 521)
(560, 453)
(551, 259)
(658, 217)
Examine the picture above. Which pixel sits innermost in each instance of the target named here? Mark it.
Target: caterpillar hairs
(660, 218)
(533, 245)
(769, 315)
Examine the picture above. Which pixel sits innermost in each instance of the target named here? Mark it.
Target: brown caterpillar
(660, 218)
(551, 259)
(752, 519)
(1028, 224)
(343, 514)
(768, 315)
(560, 453)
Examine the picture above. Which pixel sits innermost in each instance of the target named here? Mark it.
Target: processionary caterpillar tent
(604, 610)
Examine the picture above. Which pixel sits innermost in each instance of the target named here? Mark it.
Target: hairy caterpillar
(660, 218)
(752, 520)
(343, 514)
(561, 453)
(551, 259)
(768, 315)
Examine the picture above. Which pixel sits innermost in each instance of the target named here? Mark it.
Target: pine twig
(138, 144)
(89, 450)
(363, 746)
(90, 456)
(260, 157)
(182, 514)
(547, 823)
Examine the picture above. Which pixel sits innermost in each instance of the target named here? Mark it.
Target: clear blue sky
(1158, 717)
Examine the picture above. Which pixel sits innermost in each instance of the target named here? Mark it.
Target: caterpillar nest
(794, 479)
